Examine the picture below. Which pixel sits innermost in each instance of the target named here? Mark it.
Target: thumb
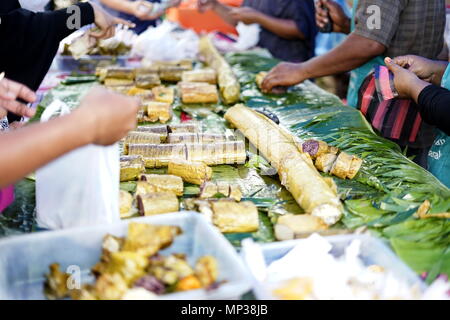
(392, 66)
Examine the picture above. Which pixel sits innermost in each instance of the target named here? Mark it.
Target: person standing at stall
(288, 29)
(378, 28)
(30, 40)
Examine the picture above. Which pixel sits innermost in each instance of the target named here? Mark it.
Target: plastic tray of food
(25, 259)
(89, 63)
(372, 252)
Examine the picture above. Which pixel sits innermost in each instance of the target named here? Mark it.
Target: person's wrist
(86, 125)
(416, 88)
(439, 68)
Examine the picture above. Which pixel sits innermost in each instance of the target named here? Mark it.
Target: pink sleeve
(6, 197)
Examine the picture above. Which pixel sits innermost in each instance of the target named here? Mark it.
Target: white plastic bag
(79, 189)
(248, 36)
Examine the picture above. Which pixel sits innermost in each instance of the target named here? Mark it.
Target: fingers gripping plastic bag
(80, 188)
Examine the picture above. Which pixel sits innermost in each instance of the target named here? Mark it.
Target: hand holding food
(106, 23)
(283, 75)
(110, 116)
(245, 15)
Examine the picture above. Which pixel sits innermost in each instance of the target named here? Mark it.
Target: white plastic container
(373, 252)
(25, 259)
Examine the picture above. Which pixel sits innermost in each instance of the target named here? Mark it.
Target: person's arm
(434, 107)
(222, 10)
(352, 53)
(426, 69)
(102, 118)
(124, 6)
(284, 28)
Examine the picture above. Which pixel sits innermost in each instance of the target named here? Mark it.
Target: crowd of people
(406, 36)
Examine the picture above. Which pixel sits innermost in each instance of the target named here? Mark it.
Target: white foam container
(25, 259)
(373, 252)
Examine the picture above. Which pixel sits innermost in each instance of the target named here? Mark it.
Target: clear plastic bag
(80, 188)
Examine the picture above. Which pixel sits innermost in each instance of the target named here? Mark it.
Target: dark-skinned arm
(283, 28)
(352, 53)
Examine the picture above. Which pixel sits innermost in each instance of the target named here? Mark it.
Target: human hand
(109, 116)
(205, 5)
(10, 91)
(426, 69)
(245, 15)
(407, 84)
(141, 9)
(283, 75)
(106, 23)
(341, 23)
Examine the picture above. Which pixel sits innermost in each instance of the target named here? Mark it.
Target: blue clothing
(141, 25)
(303, 13)
(439, 155)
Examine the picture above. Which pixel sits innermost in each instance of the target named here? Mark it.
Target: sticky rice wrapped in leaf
(197, 138)
(211, 189)
(325, 161)
(289, 227)
(189, 171)
(157, 203)
(147, 81)
(156, 156)
(198, 92)
(161, 130)
(120, 73)
(217, 153)
(160, 183)
(190, 127)
(201, 75)
(235, 217)
(138, 137)
(125, 204)
(341, 166)
(159, 111)
(131, 168)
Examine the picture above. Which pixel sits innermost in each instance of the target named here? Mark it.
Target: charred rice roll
(120, 73)
(325, 161)
(147, 81)
(197, 138)
(315, 148)
(157, 203)
(131, 167)
(192, 172)
(355, 166)
(137, 137)
(201, 75)
(191, 127)
(163, 94)
(341, 166)
(235, 217)
(160, 183)
(158, 155)
(211, 189)
(161, 130)
(159, 111)
(218, 153)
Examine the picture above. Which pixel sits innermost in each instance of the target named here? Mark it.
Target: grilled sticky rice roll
(146, 70)
(120, 73)
(147, 81)
(164, 94)
(126, 204)
(325, 161)
(189, 127)
(260, 78)
(161, 130)
(159, 111)
(354, 167)
(309, 189)
(131, 167)
(185, 64)
(138, 92)
(341, 167)
(217, 153)
(140, 137)
(315, 148)
(292, 226)
(228, 83)
(161, 183)
(114, 82)
(211, 189)
(171, 74)
(198, 92)
(235, 217)
(192, 172)
(158, 155)
(201, 75)
(197, 138)
(157, 203)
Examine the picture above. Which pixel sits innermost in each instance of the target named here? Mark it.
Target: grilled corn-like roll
(235, 217)
(210, 189)
(131, 167)
(163, 94)
(158, 155)
(192, 172)
(147, 81)
(296, 169)
(157, 203)
(260, 78)
(201, 75)
(114, 82)
(198, 92)
(138, 137)
(126, 204)
(290, 226)
(197, 138)
(228, 83)
(120, 73)
(217, 153)
(159, 111)
(160, 183)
